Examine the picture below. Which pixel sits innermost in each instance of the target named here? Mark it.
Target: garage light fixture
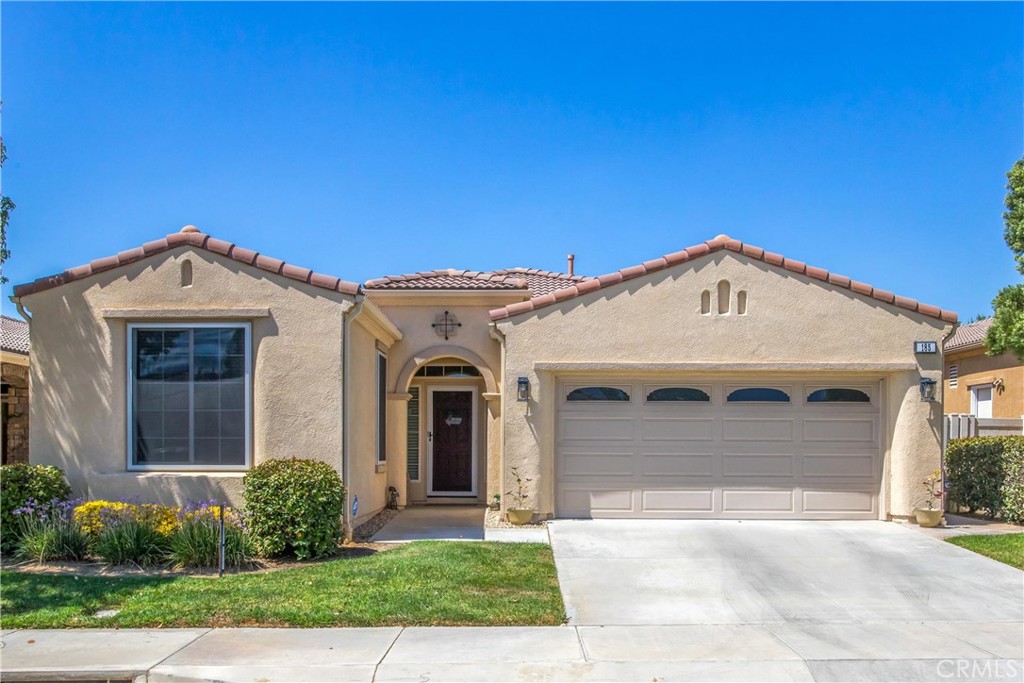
(927, 389)
(522, 389)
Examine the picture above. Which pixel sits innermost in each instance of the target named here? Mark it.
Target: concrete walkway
(712, 652)
(450, 523)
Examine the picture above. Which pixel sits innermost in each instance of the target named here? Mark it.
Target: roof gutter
(16, 300)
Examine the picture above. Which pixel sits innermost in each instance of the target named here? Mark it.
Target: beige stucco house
(719, 381)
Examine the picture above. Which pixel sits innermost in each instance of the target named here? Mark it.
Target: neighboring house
(14, 389)
(990, 388)
(718, 381)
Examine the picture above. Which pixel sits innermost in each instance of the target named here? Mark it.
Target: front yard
(429, 583)
(1007, 548)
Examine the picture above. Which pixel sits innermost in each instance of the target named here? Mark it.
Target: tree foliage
(1007, 331)
(6, 206)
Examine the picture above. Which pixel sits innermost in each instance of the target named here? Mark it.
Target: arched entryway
(447, 406)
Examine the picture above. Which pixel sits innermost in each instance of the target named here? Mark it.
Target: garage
(744, 447)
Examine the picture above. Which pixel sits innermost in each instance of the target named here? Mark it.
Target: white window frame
(130, 404)
(381, 448)
(974, 399)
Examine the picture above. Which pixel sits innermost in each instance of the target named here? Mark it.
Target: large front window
(189, 396)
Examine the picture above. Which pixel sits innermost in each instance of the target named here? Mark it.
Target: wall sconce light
(522, 389)
(927, 389)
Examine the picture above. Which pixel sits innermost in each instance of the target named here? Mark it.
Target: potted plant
(518, 513)
(495, 501)
(931, 516)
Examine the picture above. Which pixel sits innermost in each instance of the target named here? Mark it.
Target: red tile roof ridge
(720, 243)
(190, 236)
(494, 277)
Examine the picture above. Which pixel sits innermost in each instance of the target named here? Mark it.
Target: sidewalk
(770, 652)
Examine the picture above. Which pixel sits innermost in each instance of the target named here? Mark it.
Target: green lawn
(425, 583)
(1007, 548)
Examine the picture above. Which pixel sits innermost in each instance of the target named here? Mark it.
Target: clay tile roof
(448, 280)
(191, 236)
(542, 282)
(13, 335)
(968, 336)
(719, 243)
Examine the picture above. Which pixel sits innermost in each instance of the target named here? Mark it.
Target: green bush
(986, 474)
(131, 536)
(20, 484)
(50, 532)
(294, 506)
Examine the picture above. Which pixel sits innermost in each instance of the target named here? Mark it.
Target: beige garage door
(747, 448)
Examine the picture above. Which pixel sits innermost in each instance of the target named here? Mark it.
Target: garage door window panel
(838, 395)
(678, 394)
(599, 394)
(757, 395)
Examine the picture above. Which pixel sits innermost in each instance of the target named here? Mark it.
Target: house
(14, 347)
(718, 381)
(990, 388)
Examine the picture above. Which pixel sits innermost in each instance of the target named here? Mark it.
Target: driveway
(630, 572)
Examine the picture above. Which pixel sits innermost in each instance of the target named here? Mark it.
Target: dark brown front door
(452, 467)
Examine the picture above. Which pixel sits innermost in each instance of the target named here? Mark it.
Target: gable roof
(190, 236)
(13, 335)
(720, 243)
(447, 280)
(968, 336)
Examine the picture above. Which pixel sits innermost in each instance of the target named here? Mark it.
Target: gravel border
(365, 531)
(494, 520)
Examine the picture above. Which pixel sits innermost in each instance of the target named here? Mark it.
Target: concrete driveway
(628, 572)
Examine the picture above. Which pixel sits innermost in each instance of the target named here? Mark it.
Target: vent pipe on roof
(572, 259)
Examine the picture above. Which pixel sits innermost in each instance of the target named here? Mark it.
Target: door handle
(430, 436)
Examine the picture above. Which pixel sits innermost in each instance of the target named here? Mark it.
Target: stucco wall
(977, 368)
(364, 479)
(792, 323)
(78, 376)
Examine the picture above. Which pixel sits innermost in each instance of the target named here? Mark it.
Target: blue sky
(370, 139)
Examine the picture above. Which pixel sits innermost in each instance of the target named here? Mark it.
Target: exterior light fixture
(927, 389)
(522, 389)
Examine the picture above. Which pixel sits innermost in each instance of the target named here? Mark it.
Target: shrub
(195, 542)
(987, 474)
(49, 532)
(91, 515)
(18, 484)
(130, 535)
(294, 506)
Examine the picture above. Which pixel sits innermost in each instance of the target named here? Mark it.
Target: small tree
(1007, 331)
(6, 206)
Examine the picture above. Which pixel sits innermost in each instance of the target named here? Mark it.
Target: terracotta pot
(520, 516)
(928, 518)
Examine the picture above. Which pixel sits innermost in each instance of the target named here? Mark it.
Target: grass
(426, 583)
(1007, 548)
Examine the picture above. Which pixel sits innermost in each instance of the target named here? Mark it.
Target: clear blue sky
(363, 140)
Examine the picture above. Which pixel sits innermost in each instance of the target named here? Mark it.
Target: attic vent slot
(954, 375)
(741, 302)
(723, 297)
(705, 303)
(186, 273)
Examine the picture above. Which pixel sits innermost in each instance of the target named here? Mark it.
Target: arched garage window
(758, 395)
(838, 395)
(666, 394)
(597, 394)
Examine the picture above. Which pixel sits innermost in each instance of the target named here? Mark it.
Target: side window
(838, 395)
(597, 394)
(382, 408)
(673, 394)
(757, 395)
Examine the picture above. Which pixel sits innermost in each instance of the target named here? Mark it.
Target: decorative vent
(412, 439)
(953, 374)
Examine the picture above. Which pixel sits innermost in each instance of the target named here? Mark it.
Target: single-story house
(14, 360)
(988, 389)
(720, 381)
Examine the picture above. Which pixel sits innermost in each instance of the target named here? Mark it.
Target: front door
(452, 440)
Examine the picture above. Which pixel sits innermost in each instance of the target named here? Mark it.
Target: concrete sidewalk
(714, 652)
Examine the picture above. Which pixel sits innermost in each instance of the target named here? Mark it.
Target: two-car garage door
(737, 448)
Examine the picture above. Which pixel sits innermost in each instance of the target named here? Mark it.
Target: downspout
(16, 300)
(351, 314)
(499, 337)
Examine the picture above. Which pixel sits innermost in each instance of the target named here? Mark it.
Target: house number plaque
(926, 347)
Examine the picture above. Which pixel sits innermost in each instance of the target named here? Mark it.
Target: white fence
(958, 426)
